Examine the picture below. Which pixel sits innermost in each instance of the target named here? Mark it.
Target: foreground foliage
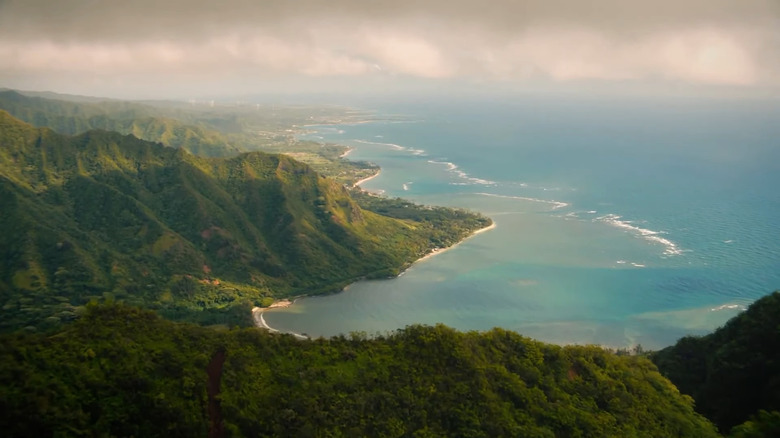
(733, 373)
(122, 371)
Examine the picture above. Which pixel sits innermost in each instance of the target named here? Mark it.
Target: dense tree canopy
(735, 371)
(122, 371)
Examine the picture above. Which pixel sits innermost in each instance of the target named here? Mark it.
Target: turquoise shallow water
(618, 223)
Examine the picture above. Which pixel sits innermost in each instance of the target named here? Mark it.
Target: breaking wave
(672, 248)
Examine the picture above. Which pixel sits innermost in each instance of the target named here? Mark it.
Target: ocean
(618, 222)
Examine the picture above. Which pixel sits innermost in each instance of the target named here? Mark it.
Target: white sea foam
(392, 145)
(407, 184)
(397, 147)
(556, 204)
(653, 236)
(634, 264)
(484, 182)
(728, 307)
(452, 167)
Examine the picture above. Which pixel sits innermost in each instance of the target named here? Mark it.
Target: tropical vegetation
(120, 371)
(734, 372)
(103, 215)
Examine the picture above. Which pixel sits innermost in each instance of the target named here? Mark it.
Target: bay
(617, 222)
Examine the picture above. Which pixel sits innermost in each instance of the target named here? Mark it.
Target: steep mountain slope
(166, 379)
(735, 371)
(105, 213)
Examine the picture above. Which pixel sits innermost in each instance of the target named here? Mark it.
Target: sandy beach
(438, 251)
(257, 316)
(366, 179)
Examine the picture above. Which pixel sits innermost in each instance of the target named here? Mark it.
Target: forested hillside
(733, 373)
(119, 371)
(98, 225)
(104, 215)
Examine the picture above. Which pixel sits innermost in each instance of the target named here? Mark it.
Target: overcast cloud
(146, 47)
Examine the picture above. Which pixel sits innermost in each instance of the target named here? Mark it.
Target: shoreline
(257, 312)
(437, 251)
(367, 179)
(259, 320)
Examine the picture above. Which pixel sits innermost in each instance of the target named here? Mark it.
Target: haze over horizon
(180, 49)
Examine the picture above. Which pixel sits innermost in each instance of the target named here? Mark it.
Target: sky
(193, 48)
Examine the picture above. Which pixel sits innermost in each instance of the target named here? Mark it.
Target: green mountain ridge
(222, 131)
(102, 212)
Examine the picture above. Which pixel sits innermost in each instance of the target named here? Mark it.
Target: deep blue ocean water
(617, 222)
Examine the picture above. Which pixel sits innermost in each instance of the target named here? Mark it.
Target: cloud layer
(712, 42)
